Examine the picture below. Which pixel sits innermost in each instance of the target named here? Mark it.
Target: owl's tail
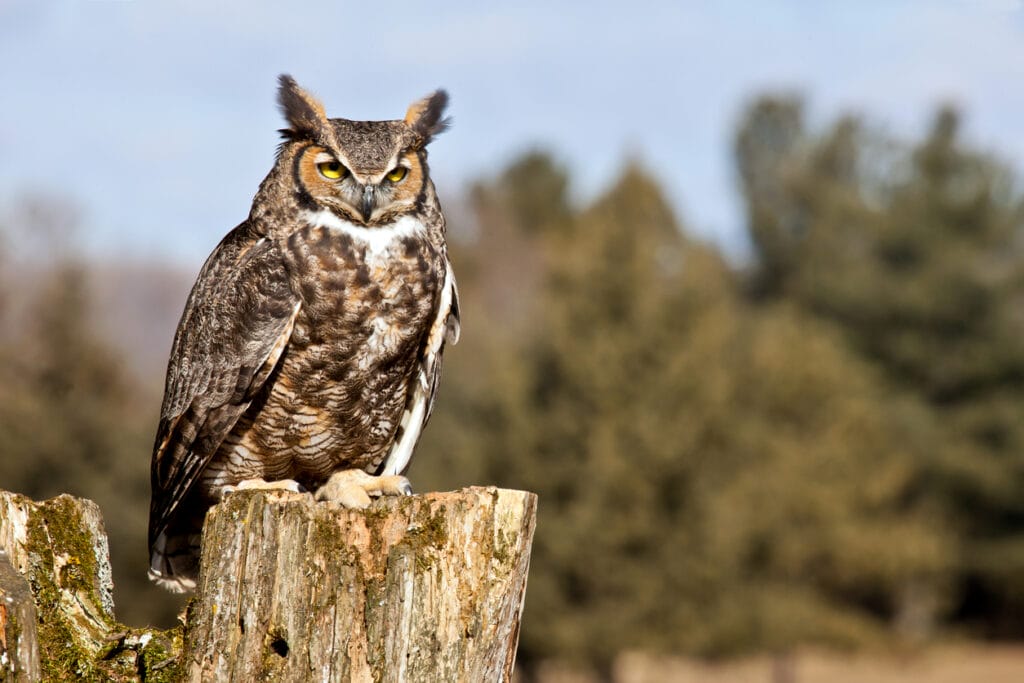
(174, 561)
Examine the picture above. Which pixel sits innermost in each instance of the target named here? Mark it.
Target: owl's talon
(353, 488)
(263, 485)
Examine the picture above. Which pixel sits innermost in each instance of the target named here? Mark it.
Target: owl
(309, 351)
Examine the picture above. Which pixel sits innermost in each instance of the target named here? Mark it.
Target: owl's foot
(263, 485)
(353, 488)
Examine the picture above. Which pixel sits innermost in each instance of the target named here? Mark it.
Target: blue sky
(158, 117)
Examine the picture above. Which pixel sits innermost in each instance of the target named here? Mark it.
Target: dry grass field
(945, 664)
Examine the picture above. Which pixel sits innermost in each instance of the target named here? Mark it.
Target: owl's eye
(397, 174)
(332, 170)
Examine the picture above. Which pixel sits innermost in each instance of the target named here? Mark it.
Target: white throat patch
(377, 240)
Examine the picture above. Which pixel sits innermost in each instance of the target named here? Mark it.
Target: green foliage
(715, 475)
(914, 254)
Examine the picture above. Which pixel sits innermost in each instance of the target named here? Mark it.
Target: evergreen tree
(713, 478)
(72, 420)
(914, 253)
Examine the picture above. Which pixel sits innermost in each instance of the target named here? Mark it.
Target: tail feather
(174, 562)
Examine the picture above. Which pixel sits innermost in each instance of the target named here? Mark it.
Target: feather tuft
(424, 116)
(304, 113)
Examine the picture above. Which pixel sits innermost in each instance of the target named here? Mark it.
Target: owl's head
(367, 172)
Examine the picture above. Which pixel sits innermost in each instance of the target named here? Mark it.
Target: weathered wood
(421, 588)
(424, 588)
(59, 546)
(19, 644)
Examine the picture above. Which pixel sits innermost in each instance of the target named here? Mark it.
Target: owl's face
(381, 176)
(366, 172)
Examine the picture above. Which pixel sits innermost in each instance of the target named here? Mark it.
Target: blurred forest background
(821, 444)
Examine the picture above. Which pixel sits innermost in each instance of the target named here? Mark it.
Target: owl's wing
(236, 324)
(420, 402)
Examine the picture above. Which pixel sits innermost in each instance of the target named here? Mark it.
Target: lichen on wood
(422, 588)
(60, 547)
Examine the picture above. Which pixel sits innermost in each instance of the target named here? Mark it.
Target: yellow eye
(397, 174)
(331, 170)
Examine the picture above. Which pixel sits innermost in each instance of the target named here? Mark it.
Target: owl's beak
(368, 201)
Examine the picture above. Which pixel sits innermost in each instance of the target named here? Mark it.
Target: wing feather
(422, 392)
(235, 327)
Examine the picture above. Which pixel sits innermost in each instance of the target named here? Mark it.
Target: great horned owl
(310, 347)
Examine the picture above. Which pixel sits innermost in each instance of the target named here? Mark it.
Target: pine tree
(74, 420)
(913, 252)
(713, 477)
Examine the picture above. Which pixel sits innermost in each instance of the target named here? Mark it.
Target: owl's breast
(366, 307)
(365, 292)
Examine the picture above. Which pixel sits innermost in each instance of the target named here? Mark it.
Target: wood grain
(420, 588)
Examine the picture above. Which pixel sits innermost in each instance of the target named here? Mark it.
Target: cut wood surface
(420, 588)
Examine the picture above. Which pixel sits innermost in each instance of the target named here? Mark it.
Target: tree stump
(63, 627)
(421, 588)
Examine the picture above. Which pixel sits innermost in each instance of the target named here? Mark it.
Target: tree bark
(422, 588)
(59, 548)
(19, 644)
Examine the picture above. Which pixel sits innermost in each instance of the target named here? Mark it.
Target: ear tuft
(305, 113)
(424, 116)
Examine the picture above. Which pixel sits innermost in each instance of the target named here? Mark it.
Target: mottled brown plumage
(311, 342)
